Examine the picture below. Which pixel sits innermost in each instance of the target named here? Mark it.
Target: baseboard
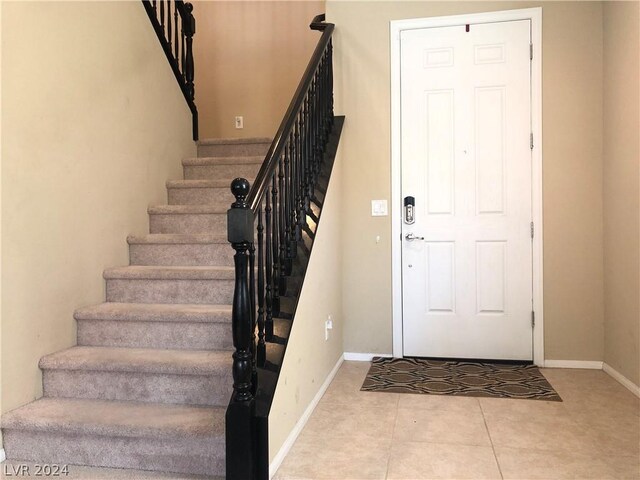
(293, 435)
(624, 381)
(587, 364)
(363, 357)
(3, 457)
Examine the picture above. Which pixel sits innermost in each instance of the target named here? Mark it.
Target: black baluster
(268, 326)
(262, 349)
(282, 238)
(183, 53)
(275, 304)
(302, 214)
(307, 159)
(169, 31)
(288, 260)
(316, 139)
(294, 191)
(240, 417)
(189, 28)
(176, 46)
(314, 131)
(331, 81)
(162, 14)
(252, 294)
(298, 178)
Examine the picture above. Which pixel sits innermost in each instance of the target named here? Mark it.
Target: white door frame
(396, 27)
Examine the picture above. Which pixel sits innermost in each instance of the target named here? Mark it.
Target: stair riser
(213, 254)
(210, 390)
(217, 292)
(205, 223)
(246, 150)
(214, 172)
(200, 196)
(166, 335)
(196, 456)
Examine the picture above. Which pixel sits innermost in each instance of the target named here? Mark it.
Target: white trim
(397, 26)
(624, 381)
(585, 364)
(363, 357)
(302, 421)
(3, 457)
(396, 194)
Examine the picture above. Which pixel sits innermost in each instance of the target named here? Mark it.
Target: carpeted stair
(148, 383)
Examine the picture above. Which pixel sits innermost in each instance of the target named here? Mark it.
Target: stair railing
(175, 27)
(273, 214)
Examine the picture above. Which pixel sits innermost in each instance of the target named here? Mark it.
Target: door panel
(465, 123)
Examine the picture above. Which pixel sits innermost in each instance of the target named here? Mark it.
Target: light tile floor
(593, 434)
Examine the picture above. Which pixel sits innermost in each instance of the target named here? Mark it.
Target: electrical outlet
(239, 122)
(328, 325)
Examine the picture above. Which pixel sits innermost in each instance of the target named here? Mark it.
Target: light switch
(379, 208)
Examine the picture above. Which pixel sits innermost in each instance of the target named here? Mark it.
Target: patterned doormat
(462, 378)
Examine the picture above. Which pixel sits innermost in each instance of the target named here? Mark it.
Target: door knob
(411, 237)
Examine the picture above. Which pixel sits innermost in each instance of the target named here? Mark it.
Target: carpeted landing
(460, 378)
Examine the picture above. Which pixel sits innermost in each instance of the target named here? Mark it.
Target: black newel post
(240, 418)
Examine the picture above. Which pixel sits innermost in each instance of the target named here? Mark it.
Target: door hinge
(531, 51)
(531, 140)
(532, 229)
(533, 319)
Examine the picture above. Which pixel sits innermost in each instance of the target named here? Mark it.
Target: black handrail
(177, 44)
(275, 150)
(274, 214)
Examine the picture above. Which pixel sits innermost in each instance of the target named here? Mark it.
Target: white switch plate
(239, 122)
(379, 208)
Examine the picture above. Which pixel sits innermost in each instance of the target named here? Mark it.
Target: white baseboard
(624, 381)
(588, 364)
(363, 357)
(3, 457)
(293, 435)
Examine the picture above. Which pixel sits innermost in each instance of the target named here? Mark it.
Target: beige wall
(249, 58)
(93, 123)
(621, 176)
(309, 358)
(572, 146)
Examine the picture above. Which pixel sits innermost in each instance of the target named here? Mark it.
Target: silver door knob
(410, 237)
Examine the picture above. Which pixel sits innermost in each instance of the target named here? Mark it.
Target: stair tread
(175, 239)
(201, 183)
(147, 360)
(186, 209)
(234, 141)
(155, 312)
(203, 161)
(117, 418)
(153, 272)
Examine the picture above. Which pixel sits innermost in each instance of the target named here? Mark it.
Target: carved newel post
(240, 418)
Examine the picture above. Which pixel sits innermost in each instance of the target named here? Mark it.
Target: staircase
(148, 384)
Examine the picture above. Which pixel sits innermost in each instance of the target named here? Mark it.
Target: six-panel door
(466, 158)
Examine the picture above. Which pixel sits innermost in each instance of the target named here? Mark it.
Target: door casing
(397, 26)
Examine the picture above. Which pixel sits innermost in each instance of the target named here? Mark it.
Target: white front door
(466, 161)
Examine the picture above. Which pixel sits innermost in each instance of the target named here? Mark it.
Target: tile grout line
(493, 447)
(393, 433)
